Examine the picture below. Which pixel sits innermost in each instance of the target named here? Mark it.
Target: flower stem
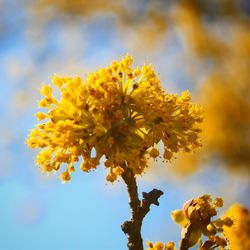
(138, 208)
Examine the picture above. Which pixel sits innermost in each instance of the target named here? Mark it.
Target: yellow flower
(120, 113)
(196, 220)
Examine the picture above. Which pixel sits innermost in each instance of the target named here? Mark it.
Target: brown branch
(139, 209)
(183, 245)
(149, 199)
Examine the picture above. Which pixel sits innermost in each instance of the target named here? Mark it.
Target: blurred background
(199, 45)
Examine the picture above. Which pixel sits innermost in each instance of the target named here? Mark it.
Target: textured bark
(183, 245)
(138, 208)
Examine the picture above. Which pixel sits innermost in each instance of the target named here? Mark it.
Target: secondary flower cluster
(196, 220)
(118, 112)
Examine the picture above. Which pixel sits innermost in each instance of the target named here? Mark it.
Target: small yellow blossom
(111, 177)
(85, 166)
(170, 246)
(160, 246)
(40, 116)
(72, 169)
(46, 90)
(57, 81)
(108, 163)
(157, 246)
(118, 170)
(65, 176)
(185, 97)
(179, 217)
(118, 112)
(218, 202)
(168, 154)
(154, 153)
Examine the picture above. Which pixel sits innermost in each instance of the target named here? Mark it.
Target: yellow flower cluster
(238, 235)
(120, 113)
(160, 246)
(196, 220)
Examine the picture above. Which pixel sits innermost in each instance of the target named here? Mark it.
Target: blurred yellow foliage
(238, 234)
(150, 20)
(225, 92)
(225, 95)
(227, 126)
(80, 7)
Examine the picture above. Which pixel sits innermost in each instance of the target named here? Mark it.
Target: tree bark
(138, 208)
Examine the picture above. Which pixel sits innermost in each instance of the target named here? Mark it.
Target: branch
(134, 202)
(139, 209)
(149, 199)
